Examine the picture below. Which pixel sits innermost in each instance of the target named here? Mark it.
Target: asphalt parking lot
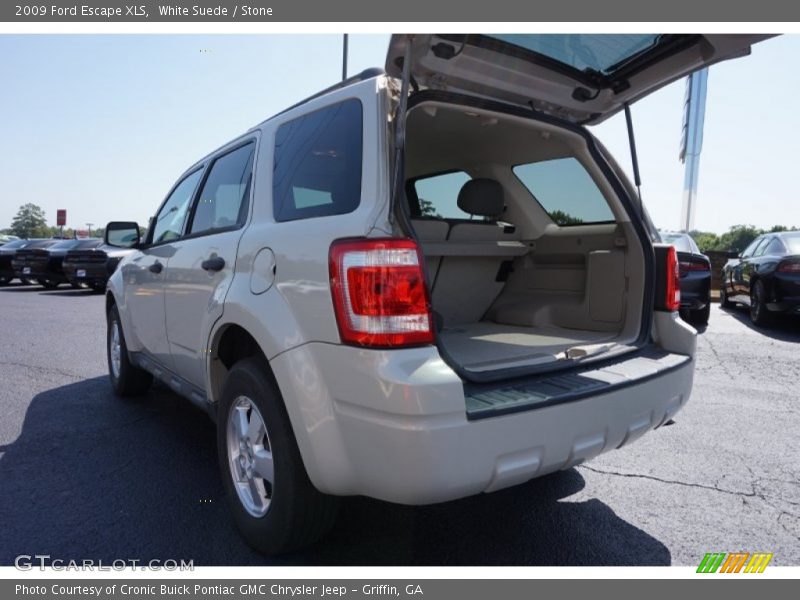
(86, 475)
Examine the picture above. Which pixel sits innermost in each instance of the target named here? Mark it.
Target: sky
(102, 125)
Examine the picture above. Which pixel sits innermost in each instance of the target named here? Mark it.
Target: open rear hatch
(584, 78)
(512, 298)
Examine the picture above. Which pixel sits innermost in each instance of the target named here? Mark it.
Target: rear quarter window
(564, 188)
(317, 167)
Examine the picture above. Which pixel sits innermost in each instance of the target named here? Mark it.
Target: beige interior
(569, 290)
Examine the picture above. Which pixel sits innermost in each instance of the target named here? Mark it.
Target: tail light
(379, 293)
(686, 266)
(789, 267)
(668, 291)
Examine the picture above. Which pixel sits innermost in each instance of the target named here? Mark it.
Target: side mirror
(122, 234)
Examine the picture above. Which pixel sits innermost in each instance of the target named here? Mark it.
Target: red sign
(61, 217)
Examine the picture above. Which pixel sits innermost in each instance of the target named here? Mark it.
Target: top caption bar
(453, 11)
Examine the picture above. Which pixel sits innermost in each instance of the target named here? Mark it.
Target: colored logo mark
(734, 562)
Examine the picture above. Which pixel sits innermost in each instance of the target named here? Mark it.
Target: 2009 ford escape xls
(419, 284)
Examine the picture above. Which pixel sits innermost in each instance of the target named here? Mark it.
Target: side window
(566, 191)
(168, 223)
(762, 247)
(751, 248)
(317, 169)
(775, 247)
(438, 195)
(222, 202)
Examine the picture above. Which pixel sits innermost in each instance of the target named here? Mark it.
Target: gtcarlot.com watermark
(28, 562)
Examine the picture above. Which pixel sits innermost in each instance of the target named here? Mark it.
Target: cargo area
(531, 258)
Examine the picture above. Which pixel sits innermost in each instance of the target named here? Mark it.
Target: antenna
(344, 57)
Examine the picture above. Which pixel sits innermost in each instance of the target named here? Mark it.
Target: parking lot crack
(41, 369)
(720, 362)
(713, 488)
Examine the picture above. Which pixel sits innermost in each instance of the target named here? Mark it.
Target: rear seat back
(470, 268)
(431, 231)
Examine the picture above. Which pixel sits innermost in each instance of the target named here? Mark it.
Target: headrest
(482, 197)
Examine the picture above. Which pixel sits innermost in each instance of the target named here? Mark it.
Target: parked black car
(22, 263)
(695, 277)
(765, 277)
(93, 266)
(7, 254)
(46, 263)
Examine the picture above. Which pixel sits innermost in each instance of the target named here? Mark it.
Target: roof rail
(363, 76)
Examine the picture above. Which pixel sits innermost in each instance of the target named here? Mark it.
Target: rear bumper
(394, 425)
(695, 291)
(94, 274)
(785, 293)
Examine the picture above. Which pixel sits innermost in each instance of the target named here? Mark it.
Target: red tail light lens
(789, 267)
(379, 293)
(672, 302)
(686, 266)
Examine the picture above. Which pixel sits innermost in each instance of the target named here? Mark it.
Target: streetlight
(89, 226)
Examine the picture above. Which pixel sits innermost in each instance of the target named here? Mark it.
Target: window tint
(317, 169)
(223, 199)
(792, 242)
(751, 248)
(774, 247)
(65, 245)
(566, 191)
(168, 224)
(438, 195)
(761, 247)
(682, 243)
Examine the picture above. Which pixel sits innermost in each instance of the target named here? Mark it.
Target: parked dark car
(27, 257)
(765, 277)
(46, 263)
(7, 253)
(93, 266)
(695, 277)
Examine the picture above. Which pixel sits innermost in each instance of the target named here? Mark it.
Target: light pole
(694, 113)
(89, 226)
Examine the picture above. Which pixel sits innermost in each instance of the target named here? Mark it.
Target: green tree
(29, 222)
(738, 237)
(427, 209)
(563, 218)
(705, 240)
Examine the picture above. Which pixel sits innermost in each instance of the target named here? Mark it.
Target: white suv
(416, 285)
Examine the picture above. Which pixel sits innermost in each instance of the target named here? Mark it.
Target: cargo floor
(485, 346)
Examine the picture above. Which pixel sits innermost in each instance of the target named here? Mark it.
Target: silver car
(420, 284)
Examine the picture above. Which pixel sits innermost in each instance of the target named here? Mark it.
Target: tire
(98, 288)
(287, 513)
(126, 379)
(724, 302)
(700, 317)
(27, 281)
(49, 284)
(759, 314)
(75, 285)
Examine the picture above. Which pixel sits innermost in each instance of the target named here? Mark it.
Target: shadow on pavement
(784, 328)
(92, 476)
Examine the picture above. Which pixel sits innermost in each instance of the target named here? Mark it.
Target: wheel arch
(230, 343)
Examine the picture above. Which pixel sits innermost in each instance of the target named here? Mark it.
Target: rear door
(201, 267)
(746, 265)
(584, 78)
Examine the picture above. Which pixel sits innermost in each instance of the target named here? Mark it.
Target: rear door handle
(156, 267)
(215, 263)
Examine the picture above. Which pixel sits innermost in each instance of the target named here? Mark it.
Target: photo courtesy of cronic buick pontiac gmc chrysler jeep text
(419, 284)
